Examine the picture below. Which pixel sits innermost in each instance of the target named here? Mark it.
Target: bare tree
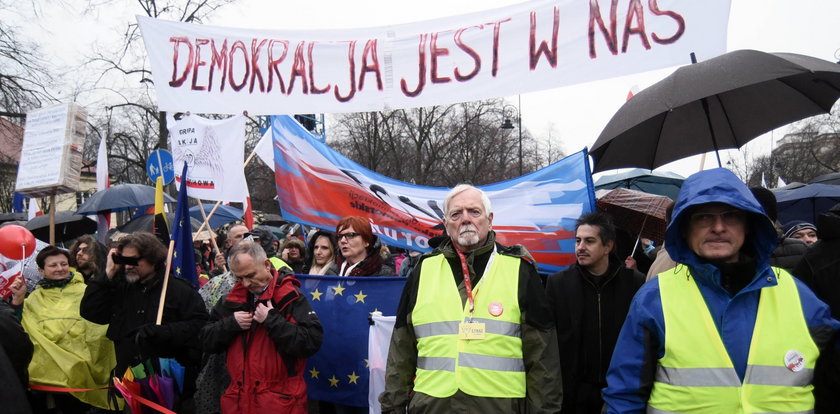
(24, 73)
(438, 145)
(134, 125)
(810, 149)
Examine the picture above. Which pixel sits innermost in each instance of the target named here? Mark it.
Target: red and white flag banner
(526, 47)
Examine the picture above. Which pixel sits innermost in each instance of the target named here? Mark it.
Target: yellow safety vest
(489, 367)
(278, 263)
(696, 374)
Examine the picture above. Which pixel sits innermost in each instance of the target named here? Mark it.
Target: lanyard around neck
(467, 282)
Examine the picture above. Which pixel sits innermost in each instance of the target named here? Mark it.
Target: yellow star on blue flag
(346, 316)
(183, 256)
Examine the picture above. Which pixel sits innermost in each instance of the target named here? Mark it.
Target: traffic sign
(160, 163)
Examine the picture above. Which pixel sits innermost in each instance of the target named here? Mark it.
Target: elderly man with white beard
(126, 297)
(473, 331)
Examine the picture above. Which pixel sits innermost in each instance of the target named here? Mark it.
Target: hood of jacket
(828, 224)
(720, 185)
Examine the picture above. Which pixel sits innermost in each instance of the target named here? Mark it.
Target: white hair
(460, 188)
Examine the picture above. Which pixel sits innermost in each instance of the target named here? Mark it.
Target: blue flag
(183, 256)
(339, 372)
(17, 202)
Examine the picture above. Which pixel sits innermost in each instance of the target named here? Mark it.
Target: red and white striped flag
(34, 209)
(633, 91)
(102, 182)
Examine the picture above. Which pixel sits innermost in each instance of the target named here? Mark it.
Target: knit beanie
(797, 225)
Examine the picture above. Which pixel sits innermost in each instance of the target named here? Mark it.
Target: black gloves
(154, 337)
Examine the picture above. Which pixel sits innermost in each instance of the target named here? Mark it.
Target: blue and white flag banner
(317, 186)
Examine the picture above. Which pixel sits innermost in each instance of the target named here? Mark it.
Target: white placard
(51, 157)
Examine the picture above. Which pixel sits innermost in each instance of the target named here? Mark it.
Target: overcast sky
(577, 113)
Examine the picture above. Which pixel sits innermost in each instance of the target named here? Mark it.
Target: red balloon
(12, 237)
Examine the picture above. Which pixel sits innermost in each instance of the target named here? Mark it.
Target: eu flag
(183, 258)
(339, 372)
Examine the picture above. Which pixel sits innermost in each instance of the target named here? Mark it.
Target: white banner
(215, 152)
(526, 47)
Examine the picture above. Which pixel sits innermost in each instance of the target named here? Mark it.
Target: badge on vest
(471, 330)
(496, 309)
(794, 360)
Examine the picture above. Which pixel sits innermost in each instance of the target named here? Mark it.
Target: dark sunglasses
(126, 260)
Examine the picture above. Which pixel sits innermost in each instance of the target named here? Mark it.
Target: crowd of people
(710, 321)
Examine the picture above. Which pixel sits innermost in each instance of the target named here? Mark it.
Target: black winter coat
(568, 293)
(820, 270)
(127, 307)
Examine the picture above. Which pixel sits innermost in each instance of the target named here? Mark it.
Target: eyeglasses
(729, 217)
(472, 212)
(348, 236)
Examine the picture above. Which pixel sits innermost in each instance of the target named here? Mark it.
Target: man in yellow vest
(473, 333)
(722, 332)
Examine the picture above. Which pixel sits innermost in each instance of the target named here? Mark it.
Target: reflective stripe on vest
(489, 367)
(696, 374)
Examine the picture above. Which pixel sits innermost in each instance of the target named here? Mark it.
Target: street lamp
(509, 125)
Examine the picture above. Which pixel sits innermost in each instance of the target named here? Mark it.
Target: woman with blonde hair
(321, 252)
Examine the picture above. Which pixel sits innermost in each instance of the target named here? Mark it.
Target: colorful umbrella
(637, 212)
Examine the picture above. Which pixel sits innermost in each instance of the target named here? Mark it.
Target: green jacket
(544, 392)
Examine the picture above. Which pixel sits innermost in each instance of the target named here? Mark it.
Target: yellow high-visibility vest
(489, 367)
(696, 374)
(277, 263)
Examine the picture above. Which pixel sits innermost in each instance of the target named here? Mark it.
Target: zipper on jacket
(600, 322)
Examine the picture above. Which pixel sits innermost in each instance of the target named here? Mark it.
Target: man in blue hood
(722, 332)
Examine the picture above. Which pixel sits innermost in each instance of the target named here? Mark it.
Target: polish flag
(102, 182)
(34, 209)
(633, 91)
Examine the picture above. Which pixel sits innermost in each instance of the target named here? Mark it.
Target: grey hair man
(485, 343)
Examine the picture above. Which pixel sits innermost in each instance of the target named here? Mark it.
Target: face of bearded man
(141, 272)
(467, 224)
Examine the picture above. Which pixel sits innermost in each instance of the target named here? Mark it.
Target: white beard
(468, 235)
(132, 277)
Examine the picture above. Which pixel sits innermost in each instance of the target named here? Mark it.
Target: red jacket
(266, 363)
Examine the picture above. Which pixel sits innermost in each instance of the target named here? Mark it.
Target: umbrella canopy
(637, 212)
(806, 202)
(4, 217)
(720, 103)
(68, 226)
(121, 197)
(830, 178)
(667, 184)
(223, 215)
(144, 223)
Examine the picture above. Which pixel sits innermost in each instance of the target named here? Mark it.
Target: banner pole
(52, 220)
(218, 203)
(165, 282)
(207, 220)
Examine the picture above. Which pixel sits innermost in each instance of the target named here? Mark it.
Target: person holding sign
(474, 332)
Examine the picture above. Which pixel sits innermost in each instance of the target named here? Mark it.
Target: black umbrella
(830, 178)
(144, 223)
(720, 103)
(68, 226)
(121, 197)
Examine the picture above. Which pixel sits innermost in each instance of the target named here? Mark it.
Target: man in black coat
(820, 270)
(126, 296)
(589, 301)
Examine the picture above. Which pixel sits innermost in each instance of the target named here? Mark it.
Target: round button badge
(794, 360)
(496, 309)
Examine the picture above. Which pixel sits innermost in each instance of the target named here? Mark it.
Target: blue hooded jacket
(642, 339)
